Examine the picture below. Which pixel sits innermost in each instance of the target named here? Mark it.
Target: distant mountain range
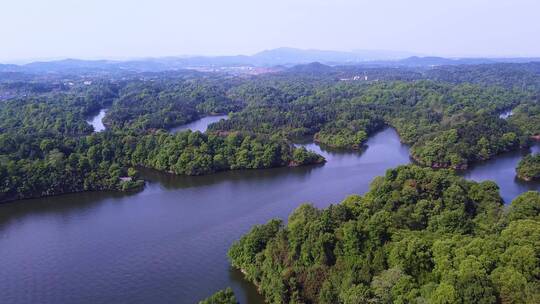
(269, 58)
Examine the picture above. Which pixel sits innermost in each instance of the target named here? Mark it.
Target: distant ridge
(296, 56)
(314, 68)
(287, 57)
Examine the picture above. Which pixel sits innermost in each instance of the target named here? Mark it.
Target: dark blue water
(168, 243)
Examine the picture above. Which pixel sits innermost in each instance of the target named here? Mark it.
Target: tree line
(449, 120)
(417, 236)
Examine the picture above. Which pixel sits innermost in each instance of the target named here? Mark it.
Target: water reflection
(97, 120)
(62, 205)
(200, 124)
(167, 181)
(168, 243)
(238, 282)
(502, 170)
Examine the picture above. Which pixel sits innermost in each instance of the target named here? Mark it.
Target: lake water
(502, 170)
(168, 243)
(97, 120)
(199, 125)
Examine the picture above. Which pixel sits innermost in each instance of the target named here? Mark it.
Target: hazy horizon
(57, 29)
(127, 58)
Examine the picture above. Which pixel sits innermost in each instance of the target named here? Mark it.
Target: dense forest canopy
(164, 104)
(48, 148)
(529, 167)
(225, 296)
(417, 236)
(449, 120)
(423, 112)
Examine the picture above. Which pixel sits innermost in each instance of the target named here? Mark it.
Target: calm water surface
(199, 125)
(502, 170)
(168, 243)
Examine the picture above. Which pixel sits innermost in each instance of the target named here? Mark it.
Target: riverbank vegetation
(448, 125)
(47, 148)
(527, 117)
(529, 167)
(449, 119)
(166, 103)
(417, 236)
(225, 296)
(33, 167)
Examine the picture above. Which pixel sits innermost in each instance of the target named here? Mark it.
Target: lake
(199, 125)
(502, 170)
(168, 243)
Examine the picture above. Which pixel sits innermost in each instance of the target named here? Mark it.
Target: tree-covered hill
(449, 119)
(417, 236)
(529, 167)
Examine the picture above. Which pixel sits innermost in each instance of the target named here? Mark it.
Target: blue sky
(34, 29)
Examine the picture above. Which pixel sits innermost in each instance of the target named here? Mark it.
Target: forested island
(107, 161)
(418, 236)
(528, 168)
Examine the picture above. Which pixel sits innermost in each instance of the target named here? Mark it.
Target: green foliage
(301, 156)
(525, 206)
(418, 236)
(98, 161)
(527, 117)
(450, 118)
(528, 167)
(243, 253)
(47, 147)
(479, 138)
(448, 125)
(168, 102)
(342, 136)
(195, 153)
(225, 296)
